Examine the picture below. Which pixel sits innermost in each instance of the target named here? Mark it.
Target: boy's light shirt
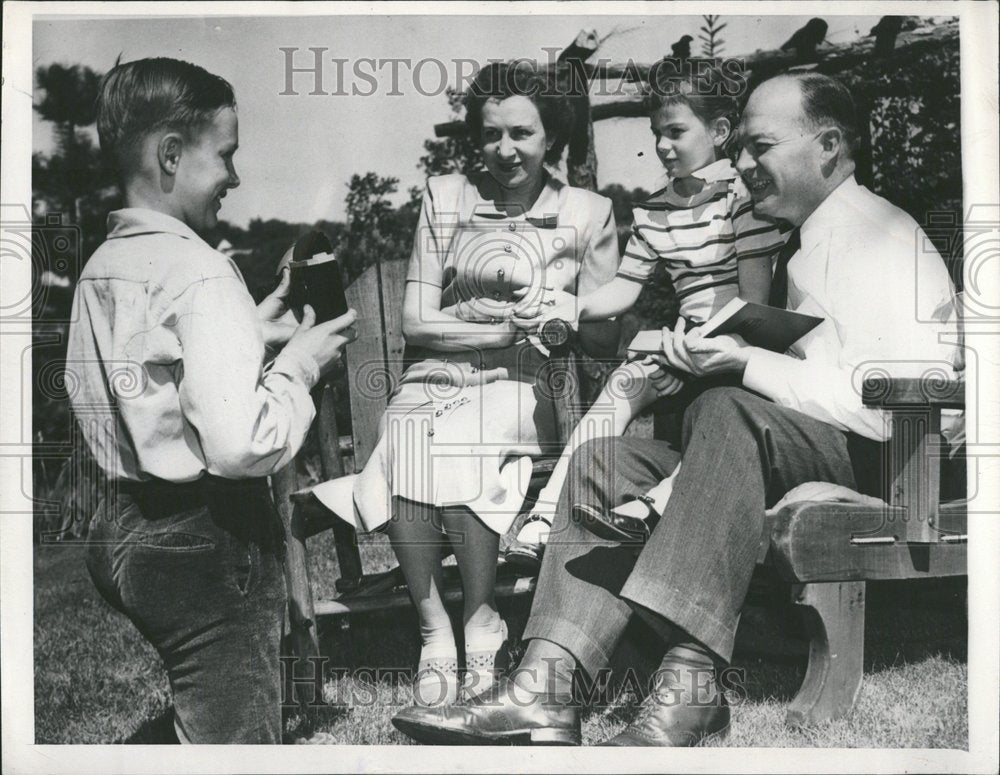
(867, 268)
(165, 361)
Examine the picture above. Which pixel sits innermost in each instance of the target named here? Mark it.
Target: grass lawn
(97, 681)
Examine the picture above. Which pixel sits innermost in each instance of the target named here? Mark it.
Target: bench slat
(371, 375)
(343, 605)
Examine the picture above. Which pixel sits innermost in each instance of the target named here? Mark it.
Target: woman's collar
(544, 211)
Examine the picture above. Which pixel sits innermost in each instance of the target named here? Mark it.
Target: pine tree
(73, 180)
(711, 43)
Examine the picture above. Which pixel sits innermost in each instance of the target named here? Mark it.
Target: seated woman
(466, 419)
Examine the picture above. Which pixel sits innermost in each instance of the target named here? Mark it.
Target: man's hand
(276, 318)
(325, 342)
(701, 355)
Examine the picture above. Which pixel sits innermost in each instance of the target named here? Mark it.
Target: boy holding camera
(177, 406)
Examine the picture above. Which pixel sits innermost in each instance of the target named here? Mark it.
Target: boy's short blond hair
(147, 95)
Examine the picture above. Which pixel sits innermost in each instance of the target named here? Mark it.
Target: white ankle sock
(436, 682)
(659, 495)
(536, 531)
(484, 634)
(483, 639)
(438, 642)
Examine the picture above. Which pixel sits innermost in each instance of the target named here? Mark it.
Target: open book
(761, 326)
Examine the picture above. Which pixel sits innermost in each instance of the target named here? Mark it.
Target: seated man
(853, 259)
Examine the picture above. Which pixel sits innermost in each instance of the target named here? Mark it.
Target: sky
(298, 151)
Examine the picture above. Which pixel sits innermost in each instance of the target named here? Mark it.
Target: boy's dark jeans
(198, 569)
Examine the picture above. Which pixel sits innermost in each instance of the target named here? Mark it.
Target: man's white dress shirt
(868, 269)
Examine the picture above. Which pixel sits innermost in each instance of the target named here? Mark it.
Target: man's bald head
(799, 134)
(824, 101)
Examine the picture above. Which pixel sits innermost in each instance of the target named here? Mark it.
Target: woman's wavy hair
(500, 80)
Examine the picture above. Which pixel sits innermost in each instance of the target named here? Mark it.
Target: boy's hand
(325, 342)
(666, 382)
(276, 318)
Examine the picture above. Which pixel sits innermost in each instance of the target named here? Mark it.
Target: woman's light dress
(461, 428)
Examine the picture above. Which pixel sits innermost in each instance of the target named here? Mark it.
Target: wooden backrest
(375, 359)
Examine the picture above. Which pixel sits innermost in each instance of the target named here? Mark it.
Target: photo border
(978, 28)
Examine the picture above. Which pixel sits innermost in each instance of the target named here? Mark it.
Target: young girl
(702, 228)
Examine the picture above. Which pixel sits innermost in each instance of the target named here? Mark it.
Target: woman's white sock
(485, 633)
(438, 641)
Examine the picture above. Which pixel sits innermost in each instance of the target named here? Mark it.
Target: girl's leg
(628, 391)
(416, 537)
(476, 549)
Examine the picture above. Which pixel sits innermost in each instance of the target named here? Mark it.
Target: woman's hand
(538, 305)
(479, 310)
(277, 320)
(427, 324)
(506, 335)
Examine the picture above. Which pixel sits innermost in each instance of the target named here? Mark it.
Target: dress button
(500, 274)
(507, 248)
(496, 295)
(511, 227)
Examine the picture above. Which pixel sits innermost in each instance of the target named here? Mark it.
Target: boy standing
(173, 399)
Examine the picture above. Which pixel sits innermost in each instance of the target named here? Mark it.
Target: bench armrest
(826, 541)
(889, 392)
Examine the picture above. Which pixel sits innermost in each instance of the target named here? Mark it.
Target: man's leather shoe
(615, 527)
(495, 717)
(663, 721)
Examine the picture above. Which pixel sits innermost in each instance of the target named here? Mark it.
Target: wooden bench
(828, 551)
(825, 551)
